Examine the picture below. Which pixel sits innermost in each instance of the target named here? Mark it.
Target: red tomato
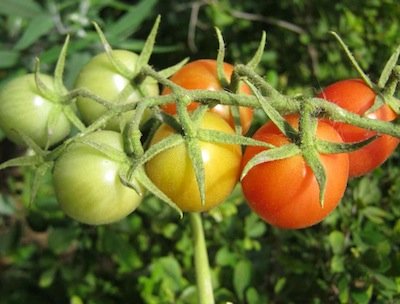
(356, 96)
(202, 75)
(285, 193)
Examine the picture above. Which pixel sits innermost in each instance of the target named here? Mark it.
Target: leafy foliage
(352, 257)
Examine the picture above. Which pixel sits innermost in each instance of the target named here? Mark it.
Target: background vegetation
(352, 257)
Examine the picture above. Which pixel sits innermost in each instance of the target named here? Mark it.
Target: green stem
(203, 274)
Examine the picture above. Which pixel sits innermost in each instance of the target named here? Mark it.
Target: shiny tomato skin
(24, 108)
(356, 96)
(87, 183)
(285, 193)
(202, 75)
(172, 172)
(100, 77)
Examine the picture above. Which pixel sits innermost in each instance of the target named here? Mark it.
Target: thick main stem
(203, 275)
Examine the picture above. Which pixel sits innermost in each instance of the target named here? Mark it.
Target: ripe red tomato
(87, 182)
(202, 74)
(172, 172)
(356, 96)
(285, 193)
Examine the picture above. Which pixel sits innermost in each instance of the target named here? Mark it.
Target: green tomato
(102, 78)
(87, 182)
(24, 109)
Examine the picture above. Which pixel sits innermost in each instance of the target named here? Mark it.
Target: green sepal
(59, 69)
(42, 88)
(378, 102)
(311, 157)
(220, 60)
(215, 136)
(167, 72)
(234, 110)
(146, 182)
(39, 173)
(31, 144)
(353, 61)
(147, 49)
(52, 121)
(106, 150)
(253, 62)
(73, 118)
(166, 143)
(277, 153)
(22, 161)
(116, 63)
(273, 114)
(128, 179)
(171, 121)
(389, 66)
(326, 147)
(394, 103)
(194, 151)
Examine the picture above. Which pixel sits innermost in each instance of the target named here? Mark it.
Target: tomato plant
(172, 171)
(101, 77)
(356, 96)
(24, 109)
(202, 74)
(87, 182)
(285, 192)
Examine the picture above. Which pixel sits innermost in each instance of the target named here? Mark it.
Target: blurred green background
(352, 257)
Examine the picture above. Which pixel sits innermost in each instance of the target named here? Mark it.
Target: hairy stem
(203, 274)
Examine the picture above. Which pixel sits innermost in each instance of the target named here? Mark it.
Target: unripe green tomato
(24, 109)
(172, 171)
(100, 77)
(87, 182)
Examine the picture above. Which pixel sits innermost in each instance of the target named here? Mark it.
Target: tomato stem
(203, 275)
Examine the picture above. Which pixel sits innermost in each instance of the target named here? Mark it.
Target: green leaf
(8, 58)
(337, 241)
(130, 21)
(21, 8)
(47, 277)
(37, 27)
(242, 277)
(60, 239)
(337, 264)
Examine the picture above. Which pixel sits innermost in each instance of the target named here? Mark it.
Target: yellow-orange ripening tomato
(172, 171)
(356, 96)
(285, 192)
(202, 75)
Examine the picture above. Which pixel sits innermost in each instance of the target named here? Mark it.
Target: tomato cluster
(92, 175)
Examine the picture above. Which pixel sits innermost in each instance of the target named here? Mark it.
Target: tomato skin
(355, 96)
(202, 75)
(87, 183)
(285, 193)
(101, 78)
(23, 108)
(172, 170)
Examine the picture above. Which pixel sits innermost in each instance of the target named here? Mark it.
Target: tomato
(23, 108)
(87, 183)
(356, 96)
(202, 74)
(285, 193)
(172, 172)
(101, 78)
